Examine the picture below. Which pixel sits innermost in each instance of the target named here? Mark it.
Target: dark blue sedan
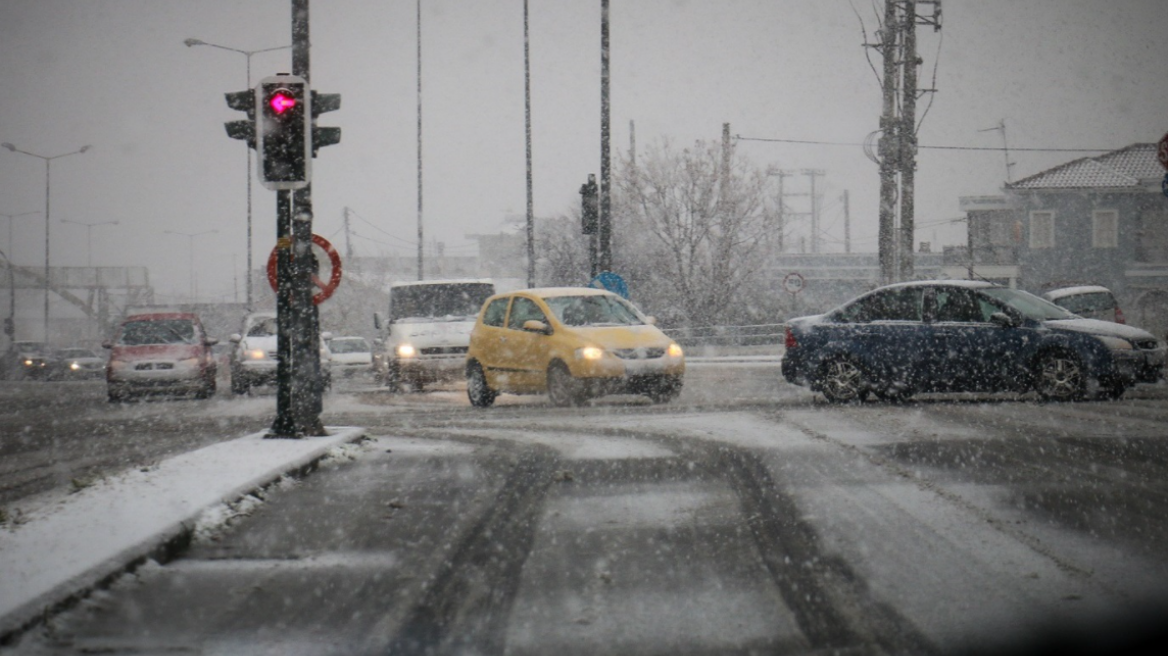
(964, 336)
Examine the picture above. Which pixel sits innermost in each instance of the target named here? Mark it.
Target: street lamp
(190, 43)
(48, 176)
(89, 236)
(191, 240)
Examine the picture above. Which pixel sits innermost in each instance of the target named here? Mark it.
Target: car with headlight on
(253, 360)
(75, 363)
(160, 353)
(964, 336)
(572, 344)
(29, 360)
(424, 337)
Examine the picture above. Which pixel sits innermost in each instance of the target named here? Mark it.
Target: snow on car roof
(1073, 291)
(452, 281)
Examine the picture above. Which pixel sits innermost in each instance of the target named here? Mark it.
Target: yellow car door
(526, 350)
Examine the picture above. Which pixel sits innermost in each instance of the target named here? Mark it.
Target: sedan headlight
(406, 351)
(674, 350)
(590, 353)
(1115, 343)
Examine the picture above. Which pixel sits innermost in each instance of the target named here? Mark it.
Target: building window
(1105, 228)
(1042, 229)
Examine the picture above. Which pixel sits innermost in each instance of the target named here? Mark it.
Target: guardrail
(753, 335)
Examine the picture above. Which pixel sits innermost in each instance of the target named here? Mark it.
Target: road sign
(323, 247)
(1162, 151)
(793, 282)
(612, 282)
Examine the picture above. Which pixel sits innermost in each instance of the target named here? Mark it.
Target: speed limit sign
(793, 282)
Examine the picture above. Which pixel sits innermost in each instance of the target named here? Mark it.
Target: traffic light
(283, 110)
(589, 206)
(244, 101)
(321, 137)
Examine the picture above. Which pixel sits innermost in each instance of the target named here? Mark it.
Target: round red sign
(326, 288)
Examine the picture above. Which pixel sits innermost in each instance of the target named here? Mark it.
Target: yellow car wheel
(562, 388)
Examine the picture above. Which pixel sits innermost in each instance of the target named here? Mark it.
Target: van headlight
(590, 353)
(1114, 343)
(406, 351)
(255, 354)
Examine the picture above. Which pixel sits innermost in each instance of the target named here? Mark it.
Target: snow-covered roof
(1075, 291)
(1130, 167)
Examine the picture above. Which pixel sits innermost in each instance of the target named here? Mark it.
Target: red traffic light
(281, 102)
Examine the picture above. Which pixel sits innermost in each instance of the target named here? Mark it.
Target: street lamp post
(191, 240)
(89, 236)
(190, 43)
(48, 177)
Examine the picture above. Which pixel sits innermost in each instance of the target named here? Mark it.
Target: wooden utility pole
(889, 148)
(908, 142)
(604, 234)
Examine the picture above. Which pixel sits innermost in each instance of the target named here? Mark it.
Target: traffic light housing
(321, 137)
(589, 206)
(283, 110)
(243, 101)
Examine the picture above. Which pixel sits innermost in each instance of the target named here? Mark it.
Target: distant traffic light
(283, 131)
(589, 206)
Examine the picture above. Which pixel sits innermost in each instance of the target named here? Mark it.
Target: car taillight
(790, 342)
(1119, 315)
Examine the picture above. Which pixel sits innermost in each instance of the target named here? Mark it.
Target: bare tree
(692, 225)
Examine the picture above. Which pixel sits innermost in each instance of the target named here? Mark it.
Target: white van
(424, 337)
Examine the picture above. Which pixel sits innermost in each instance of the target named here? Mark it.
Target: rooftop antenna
(1001, 127)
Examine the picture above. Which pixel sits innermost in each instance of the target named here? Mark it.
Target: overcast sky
(115, 74)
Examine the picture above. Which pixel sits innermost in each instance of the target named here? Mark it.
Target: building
(1096, 220)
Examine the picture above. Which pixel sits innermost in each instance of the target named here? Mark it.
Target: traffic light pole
(299, 382)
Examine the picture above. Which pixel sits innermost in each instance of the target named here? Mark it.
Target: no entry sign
(334, 277)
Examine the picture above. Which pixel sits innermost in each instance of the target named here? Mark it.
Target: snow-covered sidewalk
(64, 549)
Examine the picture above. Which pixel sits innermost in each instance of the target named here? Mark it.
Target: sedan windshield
(1031, 306)
(349, 346)
(593, 311)
(174, 331)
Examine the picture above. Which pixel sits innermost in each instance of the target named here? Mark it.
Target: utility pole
(908, 142)
(889, 147)
(348, 238)
(847, 223)
(527, 131)
(604, 234)
(813, 174)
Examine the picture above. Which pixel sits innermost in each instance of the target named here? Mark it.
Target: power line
(974, 148)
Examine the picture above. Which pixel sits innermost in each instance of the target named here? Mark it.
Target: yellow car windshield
(593, 311)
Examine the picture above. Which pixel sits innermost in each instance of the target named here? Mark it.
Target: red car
(162, 352)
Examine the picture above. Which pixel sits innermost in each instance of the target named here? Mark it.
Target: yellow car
(572, 343)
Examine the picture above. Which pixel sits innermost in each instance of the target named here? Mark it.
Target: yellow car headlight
(590, 353)
(674, 350)
(406, 351)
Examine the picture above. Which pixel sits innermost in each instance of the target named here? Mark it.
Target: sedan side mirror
(1003, 320)
(211, 341)
(531, 325)
(651, 320)
(235, 338)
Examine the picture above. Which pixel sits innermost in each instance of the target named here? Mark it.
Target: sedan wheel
(1059, 377)
(477, 390)
(563, 390)
(842, 381)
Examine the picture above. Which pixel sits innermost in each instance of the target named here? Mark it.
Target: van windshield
(438, 302)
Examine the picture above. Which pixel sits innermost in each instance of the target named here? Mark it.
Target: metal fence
(755, 335)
